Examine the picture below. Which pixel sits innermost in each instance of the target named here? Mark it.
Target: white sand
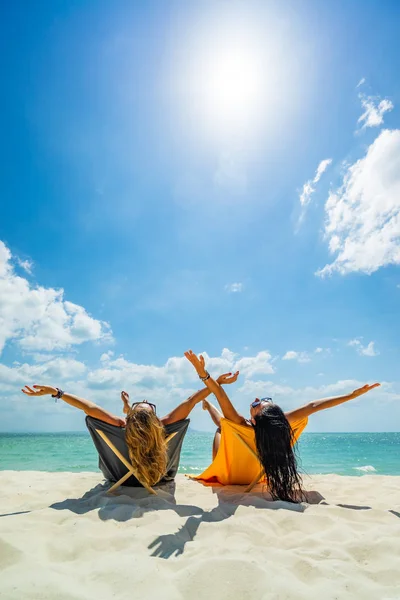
(207, 543)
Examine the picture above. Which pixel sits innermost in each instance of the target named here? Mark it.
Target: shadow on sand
(132, 503)
(229, 499)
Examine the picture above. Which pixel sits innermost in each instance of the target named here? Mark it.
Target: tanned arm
(228, 410)
(90, 408)
(317, 405)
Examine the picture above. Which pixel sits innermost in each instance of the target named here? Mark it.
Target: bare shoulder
(298, 414)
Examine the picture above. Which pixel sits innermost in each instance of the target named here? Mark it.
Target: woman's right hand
(124, 396)
(40, 390)
(125, 400)
(198, 363)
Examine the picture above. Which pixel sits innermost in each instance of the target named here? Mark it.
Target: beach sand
(63, 538)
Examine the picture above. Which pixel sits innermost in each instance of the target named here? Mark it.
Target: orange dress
(234, 464)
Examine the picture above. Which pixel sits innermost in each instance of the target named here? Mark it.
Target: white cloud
(106, 356)
(297, 396)
(254, 365)
(120, 372)
(39, 318)
(5, 257)
(169, 384)
(233, 288)
(368, 350)
(50, 372)
(306, 194)
(27, 265)
(323, 165)
(304, 357)
(308, 188)
(348, 417)
(166, 385)
(363, 215)
(301, 357)
(373, 111)
(361, 82)
(229, 355)
(323, 351)
(40, 357)
(177, 371)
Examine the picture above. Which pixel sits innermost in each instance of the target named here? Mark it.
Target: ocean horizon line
(190, 430)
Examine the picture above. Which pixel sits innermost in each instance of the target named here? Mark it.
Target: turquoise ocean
(341, 453)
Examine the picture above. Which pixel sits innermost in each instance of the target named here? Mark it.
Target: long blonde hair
(145, 438)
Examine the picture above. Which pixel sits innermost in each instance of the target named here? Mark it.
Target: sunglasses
(152, 406)
(258, 402)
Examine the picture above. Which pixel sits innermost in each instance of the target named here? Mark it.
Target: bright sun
(223, 73)
(230, 86)
(233, 75)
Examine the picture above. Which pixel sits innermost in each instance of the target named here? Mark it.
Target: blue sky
(154, 162)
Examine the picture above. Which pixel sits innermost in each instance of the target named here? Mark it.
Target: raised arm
(183, 410)
(228, 410)
(90, 408)
(317, 405)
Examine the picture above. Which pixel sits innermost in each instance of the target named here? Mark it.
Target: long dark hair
(275, 441)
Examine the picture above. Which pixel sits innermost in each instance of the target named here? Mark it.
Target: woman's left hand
(226, 378)
(363, 390)
(40, 390)
(198, 362)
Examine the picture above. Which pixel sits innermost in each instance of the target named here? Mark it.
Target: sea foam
(366, 469)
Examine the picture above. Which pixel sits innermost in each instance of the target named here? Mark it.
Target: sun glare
(230, 87)
(234, 78)
(227, 84)
(224, 74)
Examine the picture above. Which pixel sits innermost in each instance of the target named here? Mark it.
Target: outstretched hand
(364, 389)
(40, 390)
(125, 400)
(124, 396)
(226, 378)
(197, 361)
